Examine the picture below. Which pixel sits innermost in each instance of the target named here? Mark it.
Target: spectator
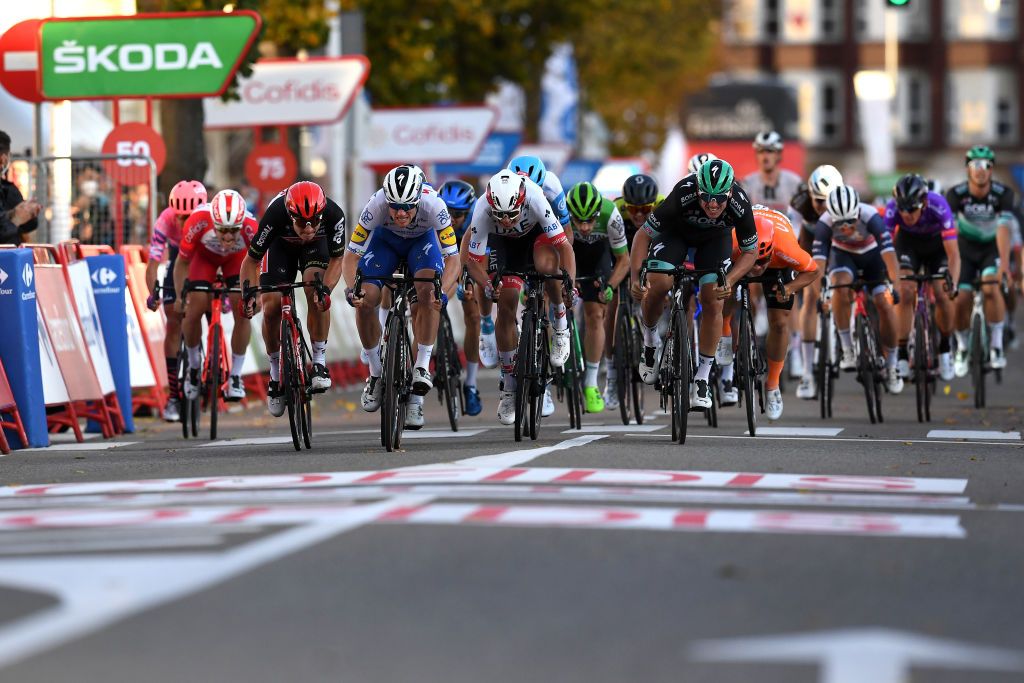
(91, 209)
(17, 215)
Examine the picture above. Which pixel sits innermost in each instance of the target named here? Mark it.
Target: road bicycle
(870, 361)
(296, 360)
(568, 379)
(979, 342)
(396, 351)
(216, 367)
(751, 363)
(924, 358)
(629, 342)
(826, 349)
(448, 370)
(677, 365)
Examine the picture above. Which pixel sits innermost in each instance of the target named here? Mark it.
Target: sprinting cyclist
(925, 238)
(700, 214)
(302, 231)
(600, 237)
(809, 204)
(217, 236)
(639, 198)
(185, 197)
(858, 240)
(406, 221)
(984, 211)
(460, 197)
(786, 269)
(519, 220)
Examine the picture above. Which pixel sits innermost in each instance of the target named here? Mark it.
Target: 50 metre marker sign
(192, 54)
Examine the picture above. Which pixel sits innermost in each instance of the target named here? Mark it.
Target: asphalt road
(874, 553)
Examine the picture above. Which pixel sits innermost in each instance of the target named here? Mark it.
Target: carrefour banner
(106, 272)
(20, 349)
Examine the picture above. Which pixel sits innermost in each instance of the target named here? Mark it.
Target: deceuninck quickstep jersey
(431, 214)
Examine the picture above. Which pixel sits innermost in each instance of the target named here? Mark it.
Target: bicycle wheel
(522, 373)
(622, 347)
(213, 362)
(823, 372)
(303, 393)
(638, 386)
(575, 379)
(288, 362)
(184, 404)
(712, 413)
(391, 418)
(680, 375)
(540, 379)
(978, 349)
(747, 369)
(451, 377)
(921, 370)
(866, 365)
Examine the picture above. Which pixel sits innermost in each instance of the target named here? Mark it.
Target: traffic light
(897, 3)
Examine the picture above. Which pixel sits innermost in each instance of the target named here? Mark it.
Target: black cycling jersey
(978, 217)
(277, 224)
(682, 214)
(803, 205)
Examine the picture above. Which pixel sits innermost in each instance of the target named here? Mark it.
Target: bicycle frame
(216, 367)
(869, 363)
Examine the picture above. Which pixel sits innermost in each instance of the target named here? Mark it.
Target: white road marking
(972, 434)
(513, 458)
(613, 429)
(746, 437)
(441, 434)
(798, 431)
(86, 446)
(256, 441)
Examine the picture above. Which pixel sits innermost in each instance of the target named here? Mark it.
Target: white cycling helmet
(506, 192)
(843, 204)
(228, 210)
(403, 185)
(768, 140)
(823, 180)
(698, 160)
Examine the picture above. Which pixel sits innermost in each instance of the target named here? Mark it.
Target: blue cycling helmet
(531, 167)
(458, 195)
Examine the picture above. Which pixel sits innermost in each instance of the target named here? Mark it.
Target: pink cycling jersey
(165, 231)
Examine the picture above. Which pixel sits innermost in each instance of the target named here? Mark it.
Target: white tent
(89, 125)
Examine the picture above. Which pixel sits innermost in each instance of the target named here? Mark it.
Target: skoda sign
(187, 54)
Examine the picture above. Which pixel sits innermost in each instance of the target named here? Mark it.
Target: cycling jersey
(536, 213)
(786, 251)
(555, 195)
(276, 227)
(936, 219)
(206, 253)
(775, 196)
(978, 218)
(609, 230)
(869, 232)
(594, 250)
(166, 233)
(682, 214)
(431, 216)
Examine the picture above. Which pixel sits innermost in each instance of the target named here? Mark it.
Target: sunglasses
(300, 221)
(458, 214)
(983, 164)
(640, 208)
(845, 223)
(510, 215)
(227, 229)
(909, 208)
(408, 206)
(708, 198)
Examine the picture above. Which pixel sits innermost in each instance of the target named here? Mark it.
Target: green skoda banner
(186, 54)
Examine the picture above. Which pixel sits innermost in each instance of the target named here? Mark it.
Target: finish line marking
(87, 446)
(972, 434)
(798, 431)
(748, 438)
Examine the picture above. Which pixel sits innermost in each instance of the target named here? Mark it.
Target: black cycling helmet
(639, 190)
(911, 192)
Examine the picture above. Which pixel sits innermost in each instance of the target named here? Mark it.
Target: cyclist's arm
(475, 244)
(181, 272)
(1004, 241)
(333, 273)
(152, 266)
(746, 238)
(641, 245)
(250, 271)
(822, 245)
(349, 266)
(567, 258)
(800, 281)
(452, 271)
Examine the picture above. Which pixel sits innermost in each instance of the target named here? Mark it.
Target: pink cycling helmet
(186, 197)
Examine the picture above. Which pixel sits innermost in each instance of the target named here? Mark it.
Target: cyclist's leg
(908, 251)
(513, 254)
(243, 326)
(724, 355)
(995, 304)
(200, 272)
(712, 252)
(808, 318)
(545, 260)
(424, 257)
(379, 260)
(471, 340)
(172, 336)
(313, 261)
(971, 253)
(841, 272)
(778, 340)
(873, 268)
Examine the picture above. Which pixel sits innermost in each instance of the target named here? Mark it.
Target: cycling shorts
(977, 260)
(710, 251)
(283, 260)
(204, 266)
(921, 251)
(870, 265)
(516, 253)
(387, 250)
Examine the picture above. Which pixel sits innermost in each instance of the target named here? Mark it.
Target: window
(819, 95)
(913, 22)
(913, 110)
(972, 20)
(982, 107)
(743, 23)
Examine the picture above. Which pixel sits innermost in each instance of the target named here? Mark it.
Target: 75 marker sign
(270, 167)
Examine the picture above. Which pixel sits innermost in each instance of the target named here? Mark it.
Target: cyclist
(460, 197)
(185, 197)
(984, 211)
(925, 238)
(785, 269)
(406, 221)
(700, 213)
(217, 236)
(534, 169)
(519, 215)
(639, 197)
(302, 231)
(773, 186)
(858, 240)
(808, 205)
(600, 238)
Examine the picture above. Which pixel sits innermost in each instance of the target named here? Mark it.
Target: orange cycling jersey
(786, 251)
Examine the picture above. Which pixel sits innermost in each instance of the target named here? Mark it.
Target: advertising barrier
(149, 323)
(108, 287)
(10, 407)
(20, 352)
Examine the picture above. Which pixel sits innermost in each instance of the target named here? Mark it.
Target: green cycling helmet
(584, 201)
(715, 177)
(981, 152)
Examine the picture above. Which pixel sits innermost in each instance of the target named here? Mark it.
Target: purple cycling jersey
(936, 219)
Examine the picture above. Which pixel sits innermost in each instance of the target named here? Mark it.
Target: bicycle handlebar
(534, 276)
(316, 283)
(393, 280)
(682, 272)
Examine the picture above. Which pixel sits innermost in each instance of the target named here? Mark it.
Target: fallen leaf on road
(962, 395)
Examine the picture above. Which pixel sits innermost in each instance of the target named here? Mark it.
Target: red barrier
(7, 405)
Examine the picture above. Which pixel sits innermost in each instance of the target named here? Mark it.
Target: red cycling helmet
(186, 196)
(305, 201)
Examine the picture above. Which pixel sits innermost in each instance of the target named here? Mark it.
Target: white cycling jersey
(431, 214)
(536, 211)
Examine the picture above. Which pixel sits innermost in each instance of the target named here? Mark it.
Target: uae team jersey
(536, 212)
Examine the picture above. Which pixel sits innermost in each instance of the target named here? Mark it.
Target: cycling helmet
(228, 210)
(768, 140)
(935, 185)
(698, 160)
(640, 189)
(843, 204)
(458, 195)
(765, 237)
(403, 185)
(715, 177)
(506, 192)
(305, 201)
(823, 180)
(584, 201)
(186, 196)
(981, 152)
(530, 166)
(910, 192)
